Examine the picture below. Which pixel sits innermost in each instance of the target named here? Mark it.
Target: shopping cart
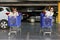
(46, 24)
(14, 24)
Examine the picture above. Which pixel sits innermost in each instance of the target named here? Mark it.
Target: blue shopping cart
(14, 23)
(46, 23)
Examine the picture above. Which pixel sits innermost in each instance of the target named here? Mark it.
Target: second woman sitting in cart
(14, 12)
(49, 13)
(49, 17)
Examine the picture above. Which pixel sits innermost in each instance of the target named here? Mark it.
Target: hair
(13, 8)
(43, 11)
(50, 8)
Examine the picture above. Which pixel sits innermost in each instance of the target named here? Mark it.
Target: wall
(24, 0)
(11, 0)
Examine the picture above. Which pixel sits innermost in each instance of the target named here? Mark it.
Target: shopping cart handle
(20, 13)
(44, 17)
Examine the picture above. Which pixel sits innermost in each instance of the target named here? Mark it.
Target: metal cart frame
(46, 24)
(14, 24)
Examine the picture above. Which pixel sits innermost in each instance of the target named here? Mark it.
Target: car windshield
(1, 9)
(8, 9)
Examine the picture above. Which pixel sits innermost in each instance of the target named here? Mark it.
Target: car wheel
(3, 24)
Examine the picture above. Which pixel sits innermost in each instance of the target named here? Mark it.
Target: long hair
(43, 11)
(13, 8)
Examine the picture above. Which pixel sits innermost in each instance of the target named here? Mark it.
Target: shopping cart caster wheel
(20, 31)
(9, 34)
(9, 37)
(15, 32)
(40, 31)
(45, 33)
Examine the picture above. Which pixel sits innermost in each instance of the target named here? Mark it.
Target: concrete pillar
(58, 13)
(58, 18)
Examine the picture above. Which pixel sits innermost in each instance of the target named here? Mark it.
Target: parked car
(34, 19)
(4, 11)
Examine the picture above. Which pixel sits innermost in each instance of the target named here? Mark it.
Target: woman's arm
(51, 14)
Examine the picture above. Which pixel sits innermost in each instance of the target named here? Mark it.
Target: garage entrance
(31, 13)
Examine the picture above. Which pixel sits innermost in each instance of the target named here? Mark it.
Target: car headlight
(32, 20)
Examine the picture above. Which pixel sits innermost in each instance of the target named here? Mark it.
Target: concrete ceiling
(24, 0)
(28, 4)
(11, 0)
(43, 0)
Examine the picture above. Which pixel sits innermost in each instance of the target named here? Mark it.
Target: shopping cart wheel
(3, 24)
(47, 33)
(41, 32)
(20, 30)
(9, 34)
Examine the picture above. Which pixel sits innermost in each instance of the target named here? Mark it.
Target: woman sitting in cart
(14, 21)
(46, 18)
(49, 13)
(14, 12)
(14, 18)
(49, 17)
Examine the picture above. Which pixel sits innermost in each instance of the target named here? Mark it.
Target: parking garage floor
(30, 31)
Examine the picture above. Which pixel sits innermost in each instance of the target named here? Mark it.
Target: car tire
(3, 24)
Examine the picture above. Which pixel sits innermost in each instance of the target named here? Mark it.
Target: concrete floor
(29, 31)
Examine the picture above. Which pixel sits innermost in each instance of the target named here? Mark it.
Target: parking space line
(27, 36)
